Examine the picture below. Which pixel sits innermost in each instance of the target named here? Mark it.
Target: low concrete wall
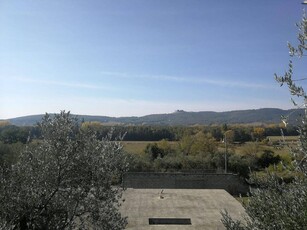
(232, 183)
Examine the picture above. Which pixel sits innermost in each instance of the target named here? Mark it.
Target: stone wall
(232, 183)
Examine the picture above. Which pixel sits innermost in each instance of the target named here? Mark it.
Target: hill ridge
(263, 115)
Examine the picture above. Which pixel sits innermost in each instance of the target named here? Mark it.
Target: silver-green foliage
(63, 182)
(275, 204)
(299, 153)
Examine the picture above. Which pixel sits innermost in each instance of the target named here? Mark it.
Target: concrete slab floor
(202, 206)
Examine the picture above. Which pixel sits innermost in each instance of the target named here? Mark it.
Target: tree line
(241, 133)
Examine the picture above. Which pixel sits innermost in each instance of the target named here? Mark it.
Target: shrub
(64, 181)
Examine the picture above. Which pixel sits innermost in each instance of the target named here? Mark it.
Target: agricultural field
(285, 138)
(138, 147)
(135, 147)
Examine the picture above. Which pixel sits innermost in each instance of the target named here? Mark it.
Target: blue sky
(137, 57)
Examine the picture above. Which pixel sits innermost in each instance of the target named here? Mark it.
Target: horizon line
(176, 111)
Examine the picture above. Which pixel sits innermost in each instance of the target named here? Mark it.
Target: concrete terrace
(202, 206)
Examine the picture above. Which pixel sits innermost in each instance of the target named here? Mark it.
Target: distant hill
(180, 117)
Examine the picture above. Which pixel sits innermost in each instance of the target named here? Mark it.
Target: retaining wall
(232, 183)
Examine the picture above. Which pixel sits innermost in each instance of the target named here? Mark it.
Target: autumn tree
(64, 182)
(258, 133)
(203, 144)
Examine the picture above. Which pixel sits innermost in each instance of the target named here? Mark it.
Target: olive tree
(275, 204)
(65, 181)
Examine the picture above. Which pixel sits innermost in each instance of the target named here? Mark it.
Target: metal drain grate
(170, 221)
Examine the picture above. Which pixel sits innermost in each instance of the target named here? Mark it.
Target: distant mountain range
(180, 117)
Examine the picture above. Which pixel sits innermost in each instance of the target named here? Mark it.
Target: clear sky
(138, 57)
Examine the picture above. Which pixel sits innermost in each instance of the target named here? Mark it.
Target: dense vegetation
(174, 148)
(241, 133)
(64, 181)
(202, 153)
